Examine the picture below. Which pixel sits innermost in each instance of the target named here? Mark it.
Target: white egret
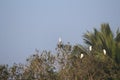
(60, 40)
(81, 56)
(104, 51)
(90, 48)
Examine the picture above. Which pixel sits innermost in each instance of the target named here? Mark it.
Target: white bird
(90, 48)
(81, 56)
(104, 51)
(60, 40)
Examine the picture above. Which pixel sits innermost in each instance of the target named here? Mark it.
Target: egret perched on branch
(81, 56)
(60, 40)
(104, 51)
(90, 48)
(60, 44)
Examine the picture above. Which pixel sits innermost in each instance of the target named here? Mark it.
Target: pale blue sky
(29, 24)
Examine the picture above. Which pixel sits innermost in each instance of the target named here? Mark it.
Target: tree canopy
(99, 60)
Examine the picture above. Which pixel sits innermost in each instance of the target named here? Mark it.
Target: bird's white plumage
(104, 51)
(81, 56)
(60, 40)
(90, 48)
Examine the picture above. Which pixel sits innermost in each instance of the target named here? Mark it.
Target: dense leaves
(104, 39)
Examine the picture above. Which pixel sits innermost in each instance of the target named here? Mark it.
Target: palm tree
(104, 40)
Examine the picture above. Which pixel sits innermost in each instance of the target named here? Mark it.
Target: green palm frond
(104, 39)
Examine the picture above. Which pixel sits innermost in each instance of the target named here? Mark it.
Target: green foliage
(40, 67)
(4, 72)
(104, 39)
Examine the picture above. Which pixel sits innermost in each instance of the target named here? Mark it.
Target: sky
(29, 24)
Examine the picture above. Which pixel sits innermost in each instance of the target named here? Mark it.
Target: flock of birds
(82, 55)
